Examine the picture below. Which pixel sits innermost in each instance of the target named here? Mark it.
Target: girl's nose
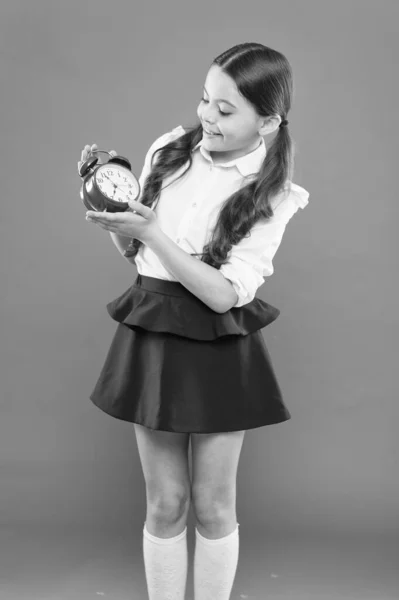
(208, 116)
(209, 121)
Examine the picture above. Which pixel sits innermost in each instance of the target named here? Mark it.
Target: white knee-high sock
(165, 562)
(215, 565)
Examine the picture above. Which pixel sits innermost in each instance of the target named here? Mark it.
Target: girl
(188, 360)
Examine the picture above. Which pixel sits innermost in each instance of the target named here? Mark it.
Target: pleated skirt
(176, 365)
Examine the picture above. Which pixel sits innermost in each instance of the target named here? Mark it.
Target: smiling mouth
(210, 132)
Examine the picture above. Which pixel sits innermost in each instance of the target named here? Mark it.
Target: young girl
(188, 360)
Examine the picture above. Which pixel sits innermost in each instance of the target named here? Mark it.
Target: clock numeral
(100, 180)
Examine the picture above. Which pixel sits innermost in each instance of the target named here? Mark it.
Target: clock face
(117, 183)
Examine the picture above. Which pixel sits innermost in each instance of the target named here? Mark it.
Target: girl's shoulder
(296, 193)
(288, 201)
(167, 137)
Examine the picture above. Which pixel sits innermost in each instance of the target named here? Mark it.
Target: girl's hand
(90, 151)
(142, 224)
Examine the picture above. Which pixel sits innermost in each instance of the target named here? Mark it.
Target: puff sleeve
(158, 143)
(251, 260)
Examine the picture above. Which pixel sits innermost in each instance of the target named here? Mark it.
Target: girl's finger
(106, 226)
(85, 153)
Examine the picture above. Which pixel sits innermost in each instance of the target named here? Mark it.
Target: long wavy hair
(264, 77)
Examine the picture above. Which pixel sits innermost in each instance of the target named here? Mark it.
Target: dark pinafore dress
(176, 365)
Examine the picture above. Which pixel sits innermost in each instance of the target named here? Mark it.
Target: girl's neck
(222, 157)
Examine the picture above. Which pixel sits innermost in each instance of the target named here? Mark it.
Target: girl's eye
(221, 112)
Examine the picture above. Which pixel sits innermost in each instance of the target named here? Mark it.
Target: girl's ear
(269, 124)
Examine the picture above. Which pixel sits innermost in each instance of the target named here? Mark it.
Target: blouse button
(178, 241)
(194, 204)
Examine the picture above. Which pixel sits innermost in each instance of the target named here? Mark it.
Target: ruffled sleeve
(251, 260)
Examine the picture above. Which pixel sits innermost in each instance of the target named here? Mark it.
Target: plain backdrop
(120, 74)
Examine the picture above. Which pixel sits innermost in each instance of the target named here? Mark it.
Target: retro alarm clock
(109, 186)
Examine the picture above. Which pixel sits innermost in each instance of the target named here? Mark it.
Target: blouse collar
(247, 165)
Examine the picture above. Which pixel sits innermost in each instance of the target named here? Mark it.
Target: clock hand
(115, 186)
(104, 175)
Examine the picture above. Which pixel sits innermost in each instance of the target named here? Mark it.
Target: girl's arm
(250, 261)
(121, 242)
(202, 280)
(205, 282)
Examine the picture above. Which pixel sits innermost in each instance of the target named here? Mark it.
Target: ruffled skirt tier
(176, 365)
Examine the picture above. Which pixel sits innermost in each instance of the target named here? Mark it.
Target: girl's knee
(168, 508)
(214, 506)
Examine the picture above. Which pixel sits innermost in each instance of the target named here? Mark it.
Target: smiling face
(224, 111)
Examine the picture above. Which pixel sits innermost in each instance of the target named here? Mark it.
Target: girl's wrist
(152, 234)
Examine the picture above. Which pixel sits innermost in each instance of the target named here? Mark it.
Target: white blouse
(187, 211)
